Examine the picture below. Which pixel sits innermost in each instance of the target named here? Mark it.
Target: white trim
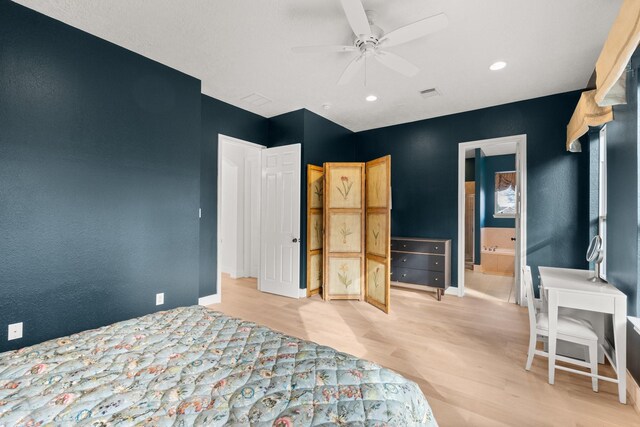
(302, 293)
(521, 142)
(210, 299)
(224, 139)
(454, 290)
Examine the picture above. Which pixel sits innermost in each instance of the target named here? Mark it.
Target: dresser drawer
(418, 246)
(418, 277)
(417, 261)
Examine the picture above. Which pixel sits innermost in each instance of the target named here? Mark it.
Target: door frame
(228, 140)
(521, 166)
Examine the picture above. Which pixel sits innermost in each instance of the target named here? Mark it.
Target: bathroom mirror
(595, 255)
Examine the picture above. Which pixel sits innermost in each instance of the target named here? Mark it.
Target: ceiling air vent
(428, 93)
(256, 99)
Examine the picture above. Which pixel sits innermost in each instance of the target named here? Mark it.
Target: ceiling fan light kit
(372, 41)
(498, 65)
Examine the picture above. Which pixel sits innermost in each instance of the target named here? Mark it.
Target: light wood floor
(489, 286)
(467, 354)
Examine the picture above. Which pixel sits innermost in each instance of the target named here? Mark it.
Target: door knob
(295, 240)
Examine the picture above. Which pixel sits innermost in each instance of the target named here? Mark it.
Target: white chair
(569, 329)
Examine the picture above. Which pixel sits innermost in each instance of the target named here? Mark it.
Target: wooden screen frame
(329, 170)
(386, 259)
(311, 169)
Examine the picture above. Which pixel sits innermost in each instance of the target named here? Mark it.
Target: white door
(280, 213)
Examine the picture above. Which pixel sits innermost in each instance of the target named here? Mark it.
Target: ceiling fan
(371, 41)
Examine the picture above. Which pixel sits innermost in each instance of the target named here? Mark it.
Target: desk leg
(620, 337)
(553, 333)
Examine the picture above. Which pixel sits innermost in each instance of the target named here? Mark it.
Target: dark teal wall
(470, 170)
(322, 141)
(286, 129)
(622, 207)
(493, 164)
(219, 118)
(424, 175)
(99, 180)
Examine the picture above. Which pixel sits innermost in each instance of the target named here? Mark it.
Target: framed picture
(344, 279)
(378, 183)
(377, 278)
(315, 179)
(377, 234)
(315, 273)
(345, 182)
(345, 232)
(315, 231)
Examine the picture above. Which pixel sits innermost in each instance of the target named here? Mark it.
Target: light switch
(15, 331)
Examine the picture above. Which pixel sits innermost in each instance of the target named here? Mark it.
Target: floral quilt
(192, 366)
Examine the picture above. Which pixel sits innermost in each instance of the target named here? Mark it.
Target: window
(602, 199)
(505, 195)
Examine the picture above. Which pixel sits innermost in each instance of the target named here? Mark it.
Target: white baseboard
(302, 293)
(452, 291)
(210, 299)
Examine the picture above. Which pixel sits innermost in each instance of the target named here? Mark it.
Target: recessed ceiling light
(326, 105)
(371, 98)
(498, 66)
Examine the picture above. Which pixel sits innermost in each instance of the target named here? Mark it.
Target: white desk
(572, 289)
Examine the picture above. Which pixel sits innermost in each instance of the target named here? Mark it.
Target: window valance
(594, 107)
(622, 41)
(586, 114)
(504, 180)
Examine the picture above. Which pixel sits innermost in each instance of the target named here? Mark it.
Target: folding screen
(315, 228)
(378, 232)
(343, 247)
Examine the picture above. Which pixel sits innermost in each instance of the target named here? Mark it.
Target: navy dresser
(417, 263)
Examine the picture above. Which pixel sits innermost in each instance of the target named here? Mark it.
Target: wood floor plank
(466, 354)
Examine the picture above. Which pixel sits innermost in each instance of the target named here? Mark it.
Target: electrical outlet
(15, 331)
(160, 299)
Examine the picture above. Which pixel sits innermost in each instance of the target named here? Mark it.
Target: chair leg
(532, 350)
(593, 360)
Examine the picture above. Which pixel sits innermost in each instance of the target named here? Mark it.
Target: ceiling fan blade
(419, 29)
(323, 49)
(356, 16)
(351, 70)
(397, 63)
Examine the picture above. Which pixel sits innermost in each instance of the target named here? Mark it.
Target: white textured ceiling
(240, 47)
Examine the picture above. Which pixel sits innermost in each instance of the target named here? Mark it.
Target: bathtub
(497, 254)
(499, 261)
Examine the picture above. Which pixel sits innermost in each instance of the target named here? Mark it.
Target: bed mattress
(193, 366)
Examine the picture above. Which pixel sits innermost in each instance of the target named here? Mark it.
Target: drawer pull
(404, 275)
(404, 246)
(404, 260)
(436, 248)
(436, 279)
(437, 263)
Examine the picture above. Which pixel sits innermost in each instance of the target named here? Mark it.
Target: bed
(193, 366)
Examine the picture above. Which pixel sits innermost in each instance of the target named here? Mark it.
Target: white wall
(240, 210)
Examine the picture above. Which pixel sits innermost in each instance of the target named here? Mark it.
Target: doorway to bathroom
(491, 219)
